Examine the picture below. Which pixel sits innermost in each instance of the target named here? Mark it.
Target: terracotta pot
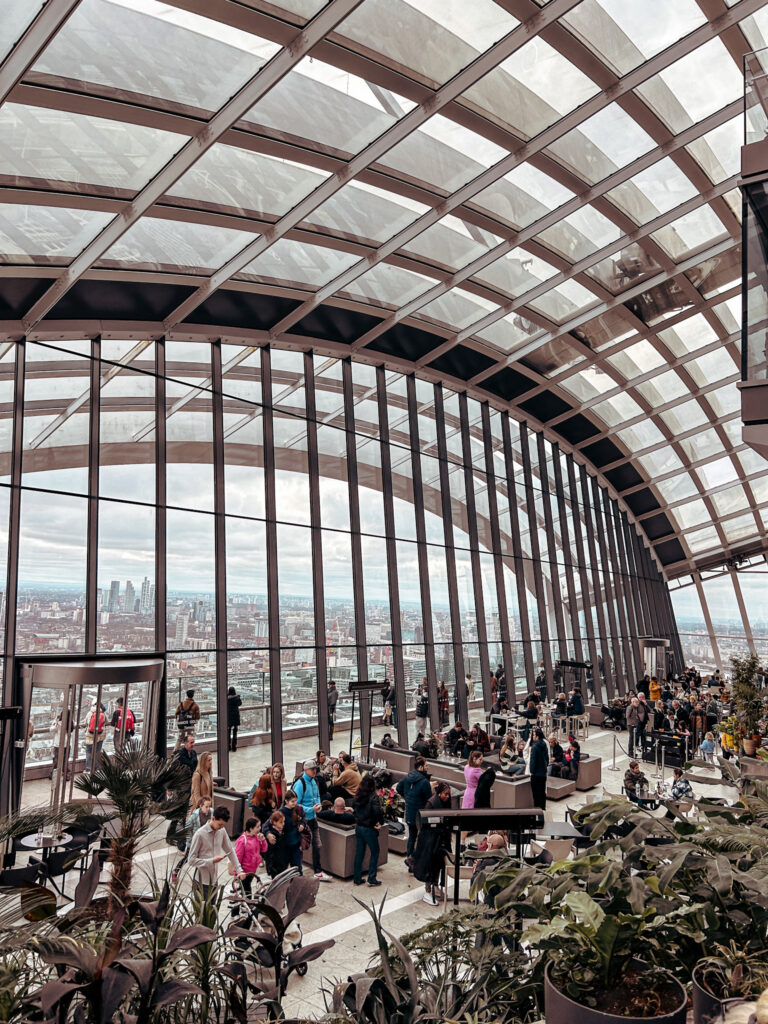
(561, 1009)
(749, 747)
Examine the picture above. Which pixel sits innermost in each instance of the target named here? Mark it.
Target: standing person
(369, 818)
(390, 706)
(431, 847)
(644, 715)
(276, 853)
(262, 798)
(187, 756)
(470, 687)
(422, 709)
(415, 790)
(306, 790)
(333, 698)
(295, 825)
(96, 724)
(187, 714)
(234, 703)
(202, 778)
(196, 820)
(209, 846)
(443, 703)
(117, 724)
(472, 772)
(279, 788)
(538, 765)
(249, 849)
(633, 725)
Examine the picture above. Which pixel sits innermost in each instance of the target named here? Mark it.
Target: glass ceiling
(568, 251)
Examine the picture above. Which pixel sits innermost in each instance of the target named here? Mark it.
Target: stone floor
(337, 915)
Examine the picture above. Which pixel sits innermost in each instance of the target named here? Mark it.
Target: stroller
(261, 913)
(614, 716)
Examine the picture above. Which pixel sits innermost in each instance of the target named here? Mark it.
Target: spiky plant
(130, 789)
(746, 695)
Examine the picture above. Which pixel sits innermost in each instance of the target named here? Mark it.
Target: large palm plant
(129, 790)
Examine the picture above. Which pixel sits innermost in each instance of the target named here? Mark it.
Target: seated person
(456, 738)
(346, 779)
(560, 709)
(512, 757)
(500, 707)
(576, 703)
(681, 787)
(421, 745)
(531, 713)
(666, 693)
(338, 813)
(477, 740)
(534, 696)
(571, 760)
(634, 781)
(387, 742)
(556, 755)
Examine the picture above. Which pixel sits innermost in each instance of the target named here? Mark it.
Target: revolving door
(75, 711)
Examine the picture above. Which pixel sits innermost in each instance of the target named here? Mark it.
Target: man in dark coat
(538, 766)
(416, 791)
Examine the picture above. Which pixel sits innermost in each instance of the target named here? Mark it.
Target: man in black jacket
(415, 790)
(538, 767)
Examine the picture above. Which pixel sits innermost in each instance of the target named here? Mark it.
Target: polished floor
(338, 914)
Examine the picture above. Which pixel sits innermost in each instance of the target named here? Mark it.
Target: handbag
(306, 838)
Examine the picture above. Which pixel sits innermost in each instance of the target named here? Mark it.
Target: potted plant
(747, 700)
(128, 792)
(729, 973)
(595, 973)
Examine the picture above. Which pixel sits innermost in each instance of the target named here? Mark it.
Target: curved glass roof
(533, 200)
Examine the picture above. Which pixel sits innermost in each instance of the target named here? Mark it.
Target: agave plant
(128, 791)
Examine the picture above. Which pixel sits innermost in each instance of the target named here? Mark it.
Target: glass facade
(273, 519)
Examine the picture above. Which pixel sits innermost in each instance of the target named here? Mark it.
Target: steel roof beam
(265, 79)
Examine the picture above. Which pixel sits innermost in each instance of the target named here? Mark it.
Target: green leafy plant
(128, 792)
(730, 972)
(746, 695)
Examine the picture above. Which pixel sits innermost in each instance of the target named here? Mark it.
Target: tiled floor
(337, 914)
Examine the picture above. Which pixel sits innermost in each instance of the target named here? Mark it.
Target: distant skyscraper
(114, 596)
(182, 628)
(152, 597)
(147, 592)
(130, 597)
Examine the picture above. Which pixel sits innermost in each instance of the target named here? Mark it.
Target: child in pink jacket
(249, 848)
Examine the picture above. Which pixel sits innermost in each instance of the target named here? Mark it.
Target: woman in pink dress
(472, 773)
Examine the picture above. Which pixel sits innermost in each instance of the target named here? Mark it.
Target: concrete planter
(561, 1009)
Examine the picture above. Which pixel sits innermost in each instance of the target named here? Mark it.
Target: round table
(32, 842)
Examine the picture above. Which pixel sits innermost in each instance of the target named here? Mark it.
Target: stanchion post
(656, 776)
(663, 757)
(613, 767)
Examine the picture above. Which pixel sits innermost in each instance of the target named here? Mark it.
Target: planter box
(754, 767)
(590, 772)
(561, 1009)
(337, 853)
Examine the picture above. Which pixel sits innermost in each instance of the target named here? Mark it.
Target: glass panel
(289, 262)
(338, 589)
(109, 154)
(608, 140)
(189, 446)
(126, 610)
(49, 235)
(52, 573)
(17, 16)
(362, 211)
(653, 191)
(56, 419)
(247, 622)
(190, 581)
(155, 50)
(294, 559)
(126, 435)
(192, 248)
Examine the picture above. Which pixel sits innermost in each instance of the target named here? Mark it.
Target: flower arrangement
(392, 804)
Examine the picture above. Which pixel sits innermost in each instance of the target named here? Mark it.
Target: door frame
(107, 669)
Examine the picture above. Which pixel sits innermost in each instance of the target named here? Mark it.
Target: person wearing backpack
(308, 794)
(187, 714)
(117, 725)
(96, 723)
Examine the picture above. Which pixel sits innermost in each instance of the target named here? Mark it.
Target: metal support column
(273, 592)
(391, 546)
(530, 501)
(549, 529)
(220, 548)
(568, 559)
(587, 597)
(318, 585)
(617, 672)
(161, 544)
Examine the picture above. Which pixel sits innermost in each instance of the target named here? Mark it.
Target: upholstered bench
(590, 771)
(559, 788)
(337, 853)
